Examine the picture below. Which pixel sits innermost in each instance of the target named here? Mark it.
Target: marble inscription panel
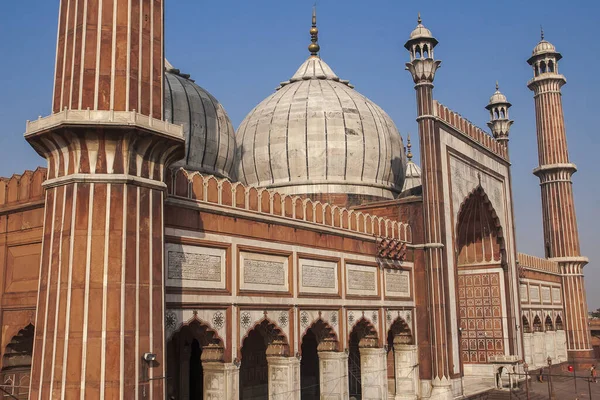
(534, 293)
(524, 294)
(318, 276)
(556, 295)
(263, 272)
(397, 283)
(189, 266)
(546, 294)
(361, 280)
(195, 267)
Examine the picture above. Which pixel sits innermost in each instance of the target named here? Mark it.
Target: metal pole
(526, 370)
(510, 384)
(575, 380)
(590, 387)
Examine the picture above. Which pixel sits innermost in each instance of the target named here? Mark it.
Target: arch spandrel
(214, 320)
(307, 318)
(250, 319)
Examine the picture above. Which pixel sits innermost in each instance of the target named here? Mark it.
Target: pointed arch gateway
(265, 339)
(194, 343)
(320, 336)
(16, 363)
(481, 261)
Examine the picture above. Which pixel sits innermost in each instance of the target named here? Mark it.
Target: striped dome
(316, 134)
(208, 132)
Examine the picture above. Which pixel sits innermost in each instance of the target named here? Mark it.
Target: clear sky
(240, 51)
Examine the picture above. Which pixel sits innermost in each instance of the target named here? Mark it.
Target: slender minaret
(499, 122)
(99, 330)
(422, 67)
(561, 237)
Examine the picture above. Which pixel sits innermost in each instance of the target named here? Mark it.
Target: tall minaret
(99, 330)
(499, 122)
(561, 237)
(422, 67)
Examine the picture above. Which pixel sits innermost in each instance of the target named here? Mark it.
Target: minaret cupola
(499, 122)
(544, 61)
(420, 45)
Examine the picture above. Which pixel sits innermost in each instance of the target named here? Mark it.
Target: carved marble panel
(264, 272)
(556, 297)
(397, 283)
(546, 294)
(534, 294)
(361, 280)
(524, 294)
(195, 266)
(320, 277)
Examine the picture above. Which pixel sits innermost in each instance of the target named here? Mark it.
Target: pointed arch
(548, 323)
(525, 323)
(479, 233)
(18, 351)
(324, 333)
(558, 324)
(537, 324)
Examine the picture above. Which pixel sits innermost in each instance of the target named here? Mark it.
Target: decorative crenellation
(541, 264)
(222, 192)
(23, 188)
(464, 126)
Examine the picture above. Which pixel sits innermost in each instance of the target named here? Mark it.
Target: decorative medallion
(333, 318)
(374, 317)
(304, 319)
(245, 320)
(351, 317)
(283, 319)
(388, 317)
(170, 320)
(218, 320)
(408, 317)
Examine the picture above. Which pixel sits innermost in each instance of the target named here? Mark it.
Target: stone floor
(564, 388)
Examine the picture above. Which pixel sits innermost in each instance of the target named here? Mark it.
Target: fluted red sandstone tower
(422, 67)
(101, 304)
(561, 237)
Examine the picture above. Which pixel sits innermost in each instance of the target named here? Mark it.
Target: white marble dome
(316, 134)
(208, 132)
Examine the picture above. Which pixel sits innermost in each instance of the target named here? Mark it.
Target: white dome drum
(317, 135)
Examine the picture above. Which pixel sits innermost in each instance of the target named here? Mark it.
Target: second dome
(319, 137)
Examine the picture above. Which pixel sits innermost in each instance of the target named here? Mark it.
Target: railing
(540, 384)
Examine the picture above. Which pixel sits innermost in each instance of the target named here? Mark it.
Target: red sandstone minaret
(561, 237)
(100, 311)
(422, 67)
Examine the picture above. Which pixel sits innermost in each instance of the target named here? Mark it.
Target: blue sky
(240, 51)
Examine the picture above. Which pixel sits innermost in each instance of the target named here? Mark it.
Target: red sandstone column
(561, 236)
(101, 295)
(422, 68)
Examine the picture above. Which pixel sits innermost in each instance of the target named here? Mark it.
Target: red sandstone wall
(21, 224)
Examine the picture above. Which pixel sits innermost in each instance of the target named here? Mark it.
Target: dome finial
(497, 86)
(314, 34)
(419, 18)
(409, 154)
(542, 32)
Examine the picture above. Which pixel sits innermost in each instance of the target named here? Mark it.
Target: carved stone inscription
(534, 293)
(193, 266)
(264, 272)
(546, 294)
(361, 280)
(556, 295)
(397, 283)
(318, 277)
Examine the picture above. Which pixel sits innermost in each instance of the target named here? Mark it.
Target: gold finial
(314, 35)
(497, 86)
(419, 18)
(408, 146)
(542, 32)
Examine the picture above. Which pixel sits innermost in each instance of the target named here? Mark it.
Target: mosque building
(161, 254)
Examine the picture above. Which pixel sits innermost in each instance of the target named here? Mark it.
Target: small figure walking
(541, 375)
(594, 374)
